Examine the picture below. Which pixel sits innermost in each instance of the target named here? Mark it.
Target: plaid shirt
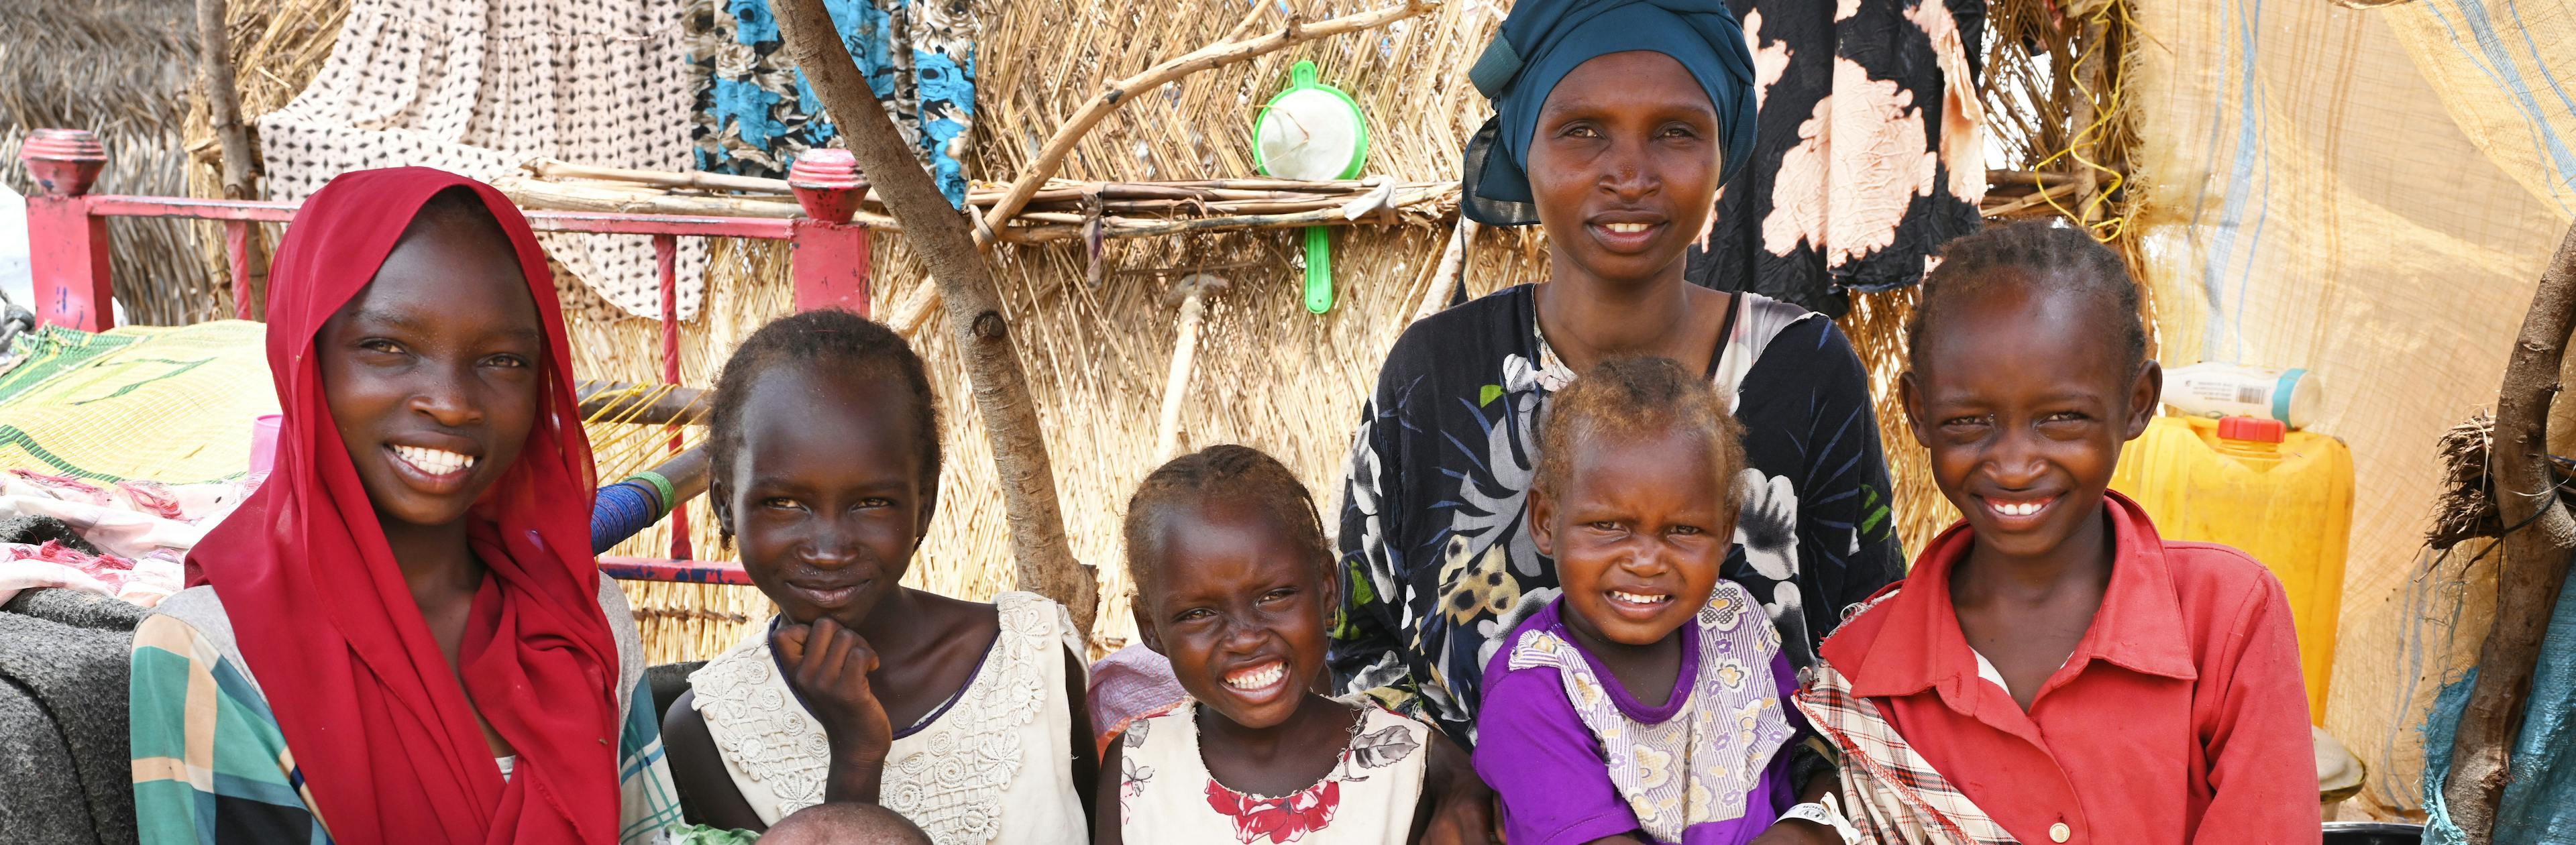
(1895, 795)
(211, 766)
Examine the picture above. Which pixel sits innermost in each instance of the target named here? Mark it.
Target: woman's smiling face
(432, 371)
(1624, 166)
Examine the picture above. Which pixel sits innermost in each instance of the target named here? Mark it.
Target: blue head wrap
(1543, 40)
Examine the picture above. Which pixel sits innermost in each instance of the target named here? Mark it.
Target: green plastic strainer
(1314, 132)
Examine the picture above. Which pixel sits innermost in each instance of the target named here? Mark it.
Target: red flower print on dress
(1281, 820)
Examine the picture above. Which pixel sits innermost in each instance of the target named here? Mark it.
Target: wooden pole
(2086, 134)
(2539, 535)
(1452, 272)
(940, 236)
(223, 103)
(547, 168)
(241, 168)
(1194, 291)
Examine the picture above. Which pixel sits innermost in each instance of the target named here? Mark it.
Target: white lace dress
(992, 767)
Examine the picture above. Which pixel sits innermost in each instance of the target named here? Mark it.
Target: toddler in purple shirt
(1645, 703)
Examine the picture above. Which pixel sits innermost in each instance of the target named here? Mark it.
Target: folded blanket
(77, 609)
(63, 746)
(38, 770)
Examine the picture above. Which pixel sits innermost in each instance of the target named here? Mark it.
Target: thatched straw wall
(1268, 373)
(122, 69)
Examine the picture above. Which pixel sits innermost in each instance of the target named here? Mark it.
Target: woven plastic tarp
(2312, 200)
(2539, 806)
(2499, 65)
(173, 405)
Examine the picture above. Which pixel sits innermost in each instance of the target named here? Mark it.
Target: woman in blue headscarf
(1616, 123)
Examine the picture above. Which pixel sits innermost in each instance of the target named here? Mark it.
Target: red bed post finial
(830, 252)
(67, 247)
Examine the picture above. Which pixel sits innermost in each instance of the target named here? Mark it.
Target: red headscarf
(371, 710)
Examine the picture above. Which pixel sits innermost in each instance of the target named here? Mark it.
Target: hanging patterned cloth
(478, 86)
(1869, 154)
(755, 111)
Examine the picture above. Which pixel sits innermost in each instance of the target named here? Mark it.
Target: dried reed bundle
(1876, 327)
(277, 47)
(1064, 212)
(2466, 508)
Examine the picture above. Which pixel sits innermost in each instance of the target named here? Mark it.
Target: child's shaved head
(845, 824)
(2057, 259)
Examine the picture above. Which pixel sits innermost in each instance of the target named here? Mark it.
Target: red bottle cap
(2255, 429)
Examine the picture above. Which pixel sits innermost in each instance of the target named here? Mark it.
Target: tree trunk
(241, 167)
(2539, 534)
(940, 236)
(223, 102)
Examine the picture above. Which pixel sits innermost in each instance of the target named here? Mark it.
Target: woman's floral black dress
(1436, 556)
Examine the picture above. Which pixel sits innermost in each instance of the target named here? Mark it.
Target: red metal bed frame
(68, 247)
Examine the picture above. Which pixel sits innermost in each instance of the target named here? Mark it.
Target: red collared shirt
(2180, 718)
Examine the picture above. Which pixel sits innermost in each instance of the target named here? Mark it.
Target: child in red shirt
(2051, 670)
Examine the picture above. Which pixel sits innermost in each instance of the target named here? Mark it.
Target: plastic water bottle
(2236, 390)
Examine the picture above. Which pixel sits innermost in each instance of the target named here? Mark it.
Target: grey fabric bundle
(64, 750)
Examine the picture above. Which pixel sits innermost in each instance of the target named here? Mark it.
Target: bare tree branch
(2539, 534)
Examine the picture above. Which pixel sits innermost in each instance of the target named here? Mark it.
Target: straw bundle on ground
(1266, 373)
(122, 69)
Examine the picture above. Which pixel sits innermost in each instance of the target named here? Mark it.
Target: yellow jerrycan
(2284, 497)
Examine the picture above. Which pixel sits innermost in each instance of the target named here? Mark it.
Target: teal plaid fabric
(211, 766)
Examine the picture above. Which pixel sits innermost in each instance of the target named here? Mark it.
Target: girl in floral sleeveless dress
(1236, 585)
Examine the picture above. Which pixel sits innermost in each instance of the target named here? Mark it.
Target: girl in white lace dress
(824, 450)
(1237, 584)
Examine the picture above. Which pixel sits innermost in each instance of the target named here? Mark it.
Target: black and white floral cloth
(1868, 154)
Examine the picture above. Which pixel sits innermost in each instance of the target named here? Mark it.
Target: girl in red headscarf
(403, 636)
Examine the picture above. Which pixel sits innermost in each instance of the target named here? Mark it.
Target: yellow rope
(2085, 140)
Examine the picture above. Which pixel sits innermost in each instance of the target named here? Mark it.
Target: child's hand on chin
(828, 665)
